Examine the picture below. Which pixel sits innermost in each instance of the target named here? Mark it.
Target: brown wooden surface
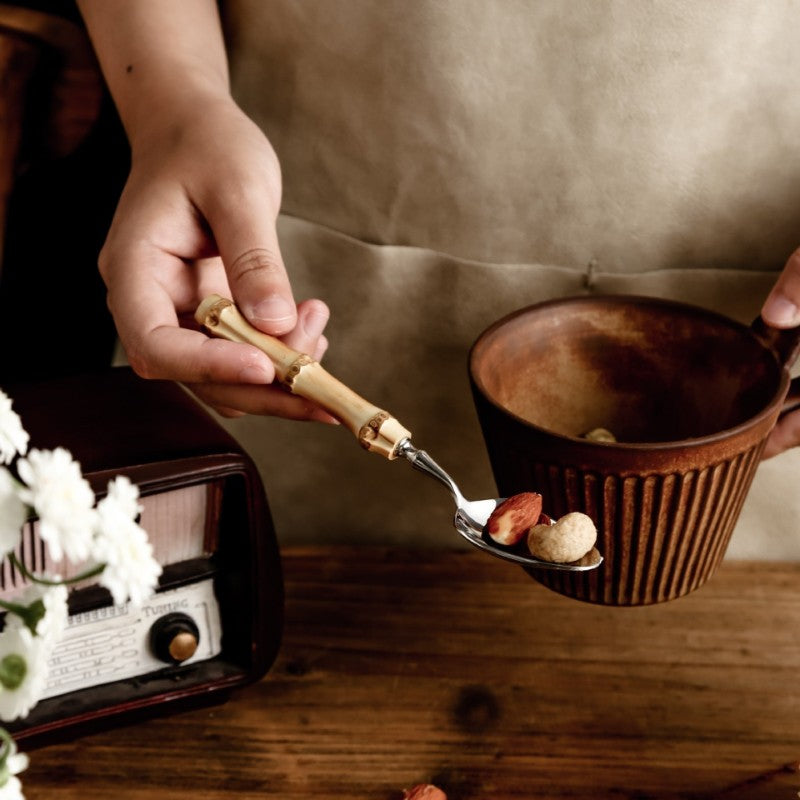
(404, 667)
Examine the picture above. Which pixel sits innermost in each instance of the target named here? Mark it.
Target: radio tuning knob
(174, 638)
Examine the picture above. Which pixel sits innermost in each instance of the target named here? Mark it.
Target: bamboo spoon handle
(375, 429)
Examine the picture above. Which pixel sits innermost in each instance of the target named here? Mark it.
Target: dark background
(54, 314)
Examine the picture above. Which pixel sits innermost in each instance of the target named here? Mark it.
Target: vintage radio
(215, 622)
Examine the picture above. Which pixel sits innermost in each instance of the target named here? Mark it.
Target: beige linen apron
(448, 161)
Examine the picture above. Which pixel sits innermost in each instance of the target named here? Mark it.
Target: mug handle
(785, 343)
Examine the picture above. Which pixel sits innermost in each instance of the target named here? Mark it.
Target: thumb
(259, 284)
(782, 307)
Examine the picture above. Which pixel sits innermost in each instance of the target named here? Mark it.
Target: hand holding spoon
(374, 428)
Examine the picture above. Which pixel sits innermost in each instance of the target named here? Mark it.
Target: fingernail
(254, 374)
(275, 308)
(781, 311)
(323, 416)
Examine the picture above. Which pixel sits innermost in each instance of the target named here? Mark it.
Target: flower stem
(6, 749)
(26, 573)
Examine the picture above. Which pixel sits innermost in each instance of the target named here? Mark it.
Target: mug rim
(746, 427)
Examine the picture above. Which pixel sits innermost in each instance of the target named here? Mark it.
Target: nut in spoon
(375, 429)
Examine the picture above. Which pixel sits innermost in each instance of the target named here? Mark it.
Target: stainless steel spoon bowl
(472, 515)
(375, 429)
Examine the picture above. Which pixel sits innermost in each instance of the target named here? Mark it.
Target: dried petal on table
(424, 791)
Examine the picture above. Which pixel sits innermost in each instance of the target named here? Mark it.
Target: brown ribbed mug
(691, 397)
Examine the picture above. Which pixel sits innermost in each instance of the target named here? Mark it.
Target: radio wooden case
(215, 622)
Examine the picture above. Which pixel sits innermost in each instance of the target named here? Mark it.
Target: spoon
(472, 516)
(375, 429)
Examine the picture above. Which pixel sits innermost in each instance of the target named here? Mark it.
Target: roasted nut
(569, 539)
(600, 435)
(512, 518)
(424, 791)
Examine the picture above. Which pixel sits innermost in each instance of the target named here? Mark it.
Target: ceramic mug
(690, 396)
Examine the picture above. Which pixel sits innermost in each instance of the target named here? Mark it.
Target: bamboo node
(294, 368)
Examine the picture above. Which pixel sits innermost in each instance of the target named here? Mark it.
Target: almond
(512, 518)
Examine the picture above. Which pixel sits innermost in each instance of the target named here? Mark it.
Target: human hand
(782, 310)
(197, 216)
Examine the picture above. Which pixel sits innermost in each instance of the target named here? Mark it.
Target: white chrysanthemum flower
(63, 501)
(23, 671)
(13, 763)
(13, 437)
(51, 626)
(12, 513)
(124, 497)
(131, 572)
(16, 762)
(12, 789)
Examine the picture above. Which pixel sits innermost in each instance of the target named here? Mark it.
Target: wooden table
(405, 667)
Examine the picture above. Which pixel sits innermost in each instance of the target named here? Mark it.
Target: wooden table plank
(404, 667)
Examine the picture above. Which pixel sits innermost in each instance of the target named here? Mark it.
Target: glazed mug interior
(690, 397)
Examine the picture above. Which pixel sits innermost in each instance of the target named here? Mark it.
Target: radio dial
(174, 638)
